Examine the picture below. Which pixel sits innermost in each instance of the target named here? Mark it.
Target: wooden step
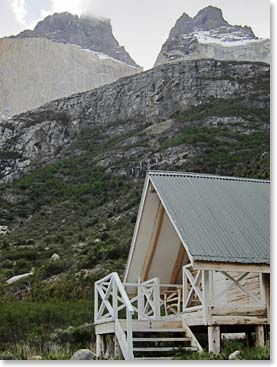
(150, 330)
(161, 339)
(140, 325)
(163, 349)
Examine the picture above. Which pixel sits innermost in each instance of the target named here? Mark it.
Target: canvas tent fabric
(219, 219)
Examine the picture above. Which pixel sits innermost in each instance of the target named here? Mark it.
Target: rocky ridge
(37, 137)
(87, 32)
(209, 35)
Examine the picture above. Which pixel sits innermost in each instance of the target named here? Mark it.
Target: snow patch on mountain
(224, 39)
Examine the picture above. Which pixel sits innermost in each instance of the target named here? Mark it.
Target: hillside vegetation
(83, 206)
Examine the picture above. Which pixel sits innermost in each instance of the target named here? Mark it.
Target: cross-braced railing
(154, 300)
(200, 293)
(109, 298)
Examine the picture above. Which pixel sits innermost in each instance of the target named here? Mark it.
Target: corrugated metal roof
(223, 219)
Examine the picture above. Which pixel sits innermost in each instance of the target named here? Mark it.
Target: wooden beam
(262, 288)
(206, 295)
(267, 294)
(260, 340)
(238, 320)
(220, 266)
(239, 311)
(185, 287)
(153, 243)
(152, 189)
(214, 339)
(178, 264)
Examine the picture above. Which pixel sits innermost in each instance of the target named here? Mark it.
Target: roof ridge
(205, 176)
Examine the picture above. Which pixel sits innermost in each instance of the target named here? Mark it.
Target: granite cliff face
(209, 35)
(63, 55)
(88, 33)
(130, 104)
(34, 71)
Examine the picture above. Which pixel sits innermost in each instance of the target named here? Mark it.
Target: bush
(30, 321)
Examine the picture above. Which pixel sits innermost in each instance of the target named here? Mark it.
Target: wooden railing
(109, 298)
(155, 300)
(206, 290)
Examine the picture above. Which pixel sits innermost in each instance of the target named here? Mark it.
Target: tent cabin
(199, 262)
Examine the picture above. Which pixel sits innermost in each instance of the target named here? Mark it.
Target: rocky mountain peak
(184, 17)
(87, 32)
(210, 18)
(209, 35)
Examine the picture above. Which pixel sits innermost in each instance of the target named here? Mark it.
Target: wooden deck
(141, 325)
(227, 316)
(148, 311)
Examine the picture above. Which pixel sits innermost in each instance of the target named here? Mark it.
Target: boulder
(36, 358)
(18, 277)
(235, 355)
(83, 354)
(4, 230)
(55, 257)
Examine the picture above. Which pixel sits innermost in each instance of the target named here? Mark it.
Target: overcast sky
(142, 26)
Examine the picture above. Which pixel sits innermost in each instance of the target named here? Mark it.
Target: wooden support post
(157, 299)
(206, 295)
(153, 243)
(214, 339)
(178, 264)
(179, 293)
(260, 337)
(95, 303)
(262, 288)
(104, 344)
(99, 346)
(117, 352)
(115, 300)
(267, 294)
(211, 286)
(185, 288)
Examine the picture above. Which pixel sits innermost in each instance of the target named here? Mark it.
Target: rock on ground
(36, 358)
(83, 354)
(18, 277)
(235, 355)
(55, 257)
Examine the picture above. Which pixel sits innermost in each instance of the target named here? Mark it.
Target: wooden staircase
(143, 333)
(161, 340)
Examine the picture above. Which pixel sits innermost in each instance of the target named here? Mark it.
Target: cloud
(19, 9)
(8, 23)
(73, 6)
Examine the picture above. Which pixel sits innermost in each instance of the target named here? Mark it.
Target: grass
(228, 347)
(223, 108)
(49, 328)
(36, 319)
(27, 351)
